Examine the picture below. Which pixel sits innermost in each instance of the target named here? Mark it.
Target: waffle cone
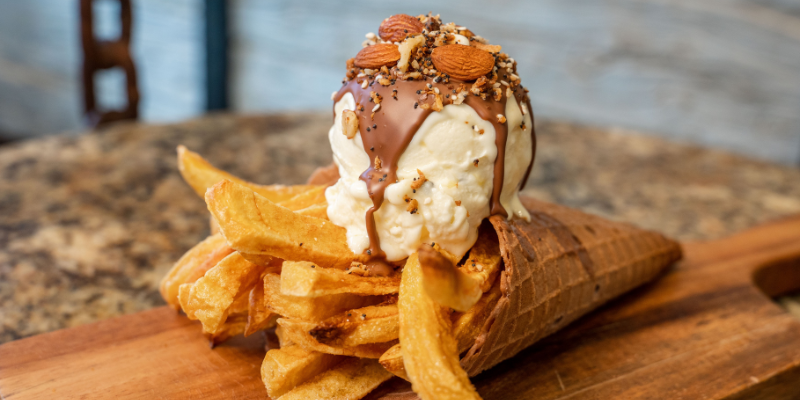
(559, 266)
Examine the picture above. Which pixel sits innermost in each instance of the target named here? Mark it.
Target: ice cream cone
(559, 266)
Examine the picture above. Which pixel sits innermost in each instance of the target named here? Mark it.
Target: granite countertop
(90, 224)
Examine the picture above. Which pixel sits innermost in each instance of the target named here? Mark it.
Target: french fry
(319, 211)
(372, 324)
(430, 352)
(211, 297)
(392, 361)
(259, 317)
(233, 325)
(311, 197)
(289, 366)
(466, 327)
(261, 229)
(201, 175)
(352, 379)
(298, 332)
(305, 279)
(484, 260)
(283, 341)
(313, 309)
(445, 283)
(192, 266)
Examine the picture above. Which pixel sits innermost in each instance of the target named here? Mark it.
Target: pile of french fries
(274, 262)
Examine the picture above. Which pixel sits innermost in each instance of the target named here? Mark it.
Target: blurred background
(718, 73)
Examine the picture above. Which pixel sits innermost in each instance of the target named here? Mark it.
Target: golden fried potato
(283, 341)
(466, 327)
(392, 361)
(311, 197)
(484, 260)
(352, 379)
(287, 367)
(259, 317)
(192, 266)
(319, 211)
(211, 297)
(261, 229)
(305, 279)
(445, 283)
(313, 309)
(430, 352)
(361, 332)
(233, 325)
(297, 332)
(201, 175)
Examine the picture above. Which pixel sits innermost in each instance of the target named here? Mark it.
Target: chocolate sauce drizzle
(389, 132)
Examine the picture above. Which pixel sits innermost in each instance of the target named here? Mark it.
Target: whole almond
(398, 27)
(466, 63)
(378, 55)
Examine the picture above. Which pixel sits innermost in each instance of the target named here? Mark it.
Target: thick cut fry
(392, 361)
(314, 309)
(298, 332)
(211, 297)
(305, 279)
(259, 317)
(201, 175)
(319, 211)
(283, 341)
(351, 380)
(466, 327)
(192, 266)
(311, 197)
(484, 261)
(445, 283)
(287, 367)
(233, 325)
(430, 352)
(373, 324)
(261, 229)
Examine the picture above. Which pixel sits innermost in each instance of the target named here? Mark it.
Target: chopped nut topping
(418, 182)
(375, 97)
(413, 206)
(437, 103)
(349, 124)
(377, 162)
(498, 94)
(501, 118)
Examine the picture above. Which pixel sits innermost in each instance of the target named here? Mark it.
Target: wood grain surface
(704, 330)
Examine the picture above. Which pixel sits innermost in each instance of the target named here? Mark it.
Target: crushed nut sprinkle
(378, 162)
(413, 206)
(418, 182)
(349, 123)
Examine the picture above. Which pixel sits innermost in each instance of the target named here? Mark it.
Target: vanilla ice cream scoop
(423, 157)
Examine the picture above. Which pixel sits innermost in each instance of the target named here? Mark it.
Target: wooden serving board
(706, 330)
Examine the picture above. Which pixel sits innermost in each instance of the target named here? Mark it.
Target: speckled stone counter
(88, 225)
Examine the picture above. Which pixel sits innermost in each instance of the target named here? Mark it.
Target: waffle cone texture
(559, 266)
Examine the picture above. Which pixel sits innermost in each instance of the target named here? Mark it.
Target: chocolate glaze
(388, 133)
